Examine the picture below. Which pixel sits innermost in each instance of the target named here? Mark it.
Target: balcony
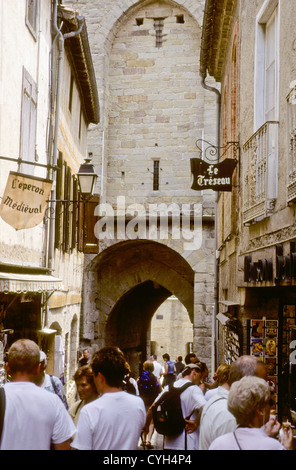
(260, 155)
(291, 114)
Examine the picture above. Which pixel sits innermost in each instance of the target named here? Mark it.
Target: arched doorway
(129, 321)
(126, 284)
(171, 330)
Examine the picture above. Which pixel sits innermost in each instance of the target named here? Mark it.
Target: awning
(223, 319)
(229, 303)
(12, 283)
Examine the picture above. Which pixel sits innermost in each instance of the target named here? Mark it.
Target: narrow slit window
(156, 175)
(158, 26)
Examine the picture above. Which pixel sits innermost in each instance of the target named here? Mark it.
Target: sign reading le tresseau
(25, 200)
(217, 177)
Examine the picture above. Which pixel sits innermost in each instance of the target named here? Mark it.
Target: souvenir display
(264, 345)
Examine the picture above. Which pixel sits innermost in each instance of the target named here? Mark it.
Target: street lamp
(86, 177)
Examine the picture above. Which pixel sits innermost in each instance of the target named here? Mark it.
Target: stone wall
(153, 107)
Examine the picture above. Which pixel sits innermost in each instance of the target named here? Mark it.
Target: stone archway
(127, 282)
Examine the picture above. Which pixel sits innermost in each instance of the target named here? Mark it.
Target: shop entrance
(19, 318)
(287, 363)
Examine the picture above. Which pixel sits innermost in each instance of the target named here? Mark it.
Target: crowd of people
(116, 411)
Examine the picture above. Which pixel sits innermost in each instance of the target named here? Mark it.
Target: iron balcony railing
(260, 155)
(291, 164)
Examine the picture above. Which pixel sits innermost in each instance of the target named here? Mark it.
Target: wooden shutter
(80, 225)
(67, 208)
(74, 213)
(91, 243)
(59, 205)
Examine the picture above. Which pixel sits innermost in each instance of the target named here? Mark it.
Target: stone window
(180, 19)
(156, 175)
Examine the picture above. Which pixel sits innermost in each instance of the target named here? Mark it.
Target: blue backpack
(148, 385)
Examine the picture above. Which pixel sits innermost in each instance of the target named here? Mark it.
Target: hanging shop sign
(217, 177)
(25, 200)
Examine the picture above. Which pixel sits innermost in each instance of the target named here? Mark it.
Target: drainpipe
(215, 343)
(61, 46)
(53, 158)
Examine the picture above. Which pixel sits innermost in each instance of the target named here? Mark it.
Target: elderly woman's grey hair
(245, 397)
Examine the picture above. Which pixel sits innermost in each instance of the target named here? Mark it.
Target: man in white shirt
(115, 420)
(216, 420)
(34, 419)
(157, 368)
(192, 402)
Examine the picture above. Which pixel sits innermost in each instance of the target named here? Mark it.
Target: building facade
(48, 99)
(154, 109)
(254, 62)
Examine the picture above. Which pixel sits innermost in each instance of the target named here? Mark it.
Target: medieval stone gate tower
(153, 110)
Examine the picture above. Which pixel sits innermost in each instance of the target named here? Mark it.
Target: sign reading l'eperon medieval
(217, 177)
(24, 201)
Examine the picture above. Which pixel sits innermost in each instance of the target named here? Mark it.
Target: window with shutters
(90, 241)
(31, 16)
(74, 219)
(75, 213)
(59, 205)
(67, 208)
(28, 122)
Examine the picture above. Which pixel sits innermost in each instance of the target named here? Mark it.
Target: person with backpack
(177, 403)
(169, 370)
(148, 389)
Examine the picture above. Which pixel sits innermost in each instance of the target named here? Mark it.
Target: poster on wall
(264, 345)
